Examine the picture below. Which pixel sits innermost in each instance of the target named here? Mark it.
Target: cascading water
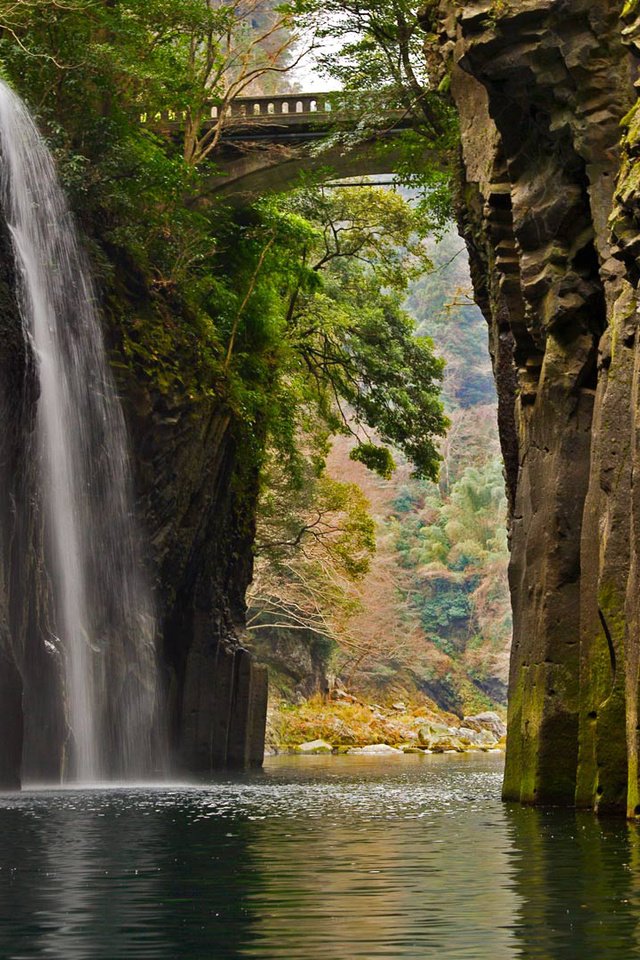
(103, 613)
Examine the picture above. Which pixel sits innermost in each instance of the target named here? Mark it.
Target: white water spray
(104, 622)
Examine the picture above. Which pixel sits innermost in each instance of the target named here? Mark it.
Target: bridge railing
(286, 109)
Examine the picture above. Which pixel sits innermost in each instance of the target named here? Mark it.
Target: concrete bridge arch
(269, 142)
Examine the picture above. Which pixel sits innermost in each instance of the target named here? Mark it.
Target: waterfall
(103, 616)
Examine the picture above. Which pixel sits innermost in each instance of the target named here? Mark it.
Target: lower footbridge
(267, 142)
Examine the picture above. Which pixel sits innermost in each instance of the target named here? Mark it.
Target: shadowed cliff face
(541, 87)
(197, 492)
(198, 501)
(196, 473)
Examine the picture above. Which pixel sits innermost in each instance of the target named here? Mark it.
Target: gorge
(261, 479)
(546, 201)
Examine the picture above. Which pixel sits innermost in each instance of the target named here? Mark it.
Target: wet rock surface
(197, 494)
(549, 210)
(315, 747)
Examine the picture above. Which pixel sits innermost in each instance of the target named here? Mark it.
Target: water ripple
(314, 859)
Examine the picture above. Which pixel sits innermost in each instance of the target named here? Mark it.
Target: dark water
(316, 859)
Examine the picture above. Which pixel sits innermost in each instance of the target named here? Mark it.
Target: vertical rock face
(549, 210)
(199, 490)
(197, 498)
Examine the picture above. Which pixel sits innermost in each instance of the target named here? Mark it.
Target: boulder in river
(448, 745)
(488, 720)
(478, 738)
(314, 747)
(432, 732)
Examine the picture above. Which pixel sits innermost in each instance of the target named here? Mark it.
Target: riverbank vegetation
(427, 615)
(344, 723)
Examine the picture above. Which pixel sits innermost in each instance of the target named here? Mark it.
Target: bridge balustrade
(292, 108)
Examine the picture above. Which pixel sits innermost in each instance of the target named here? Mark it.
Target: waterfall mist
(103, 622)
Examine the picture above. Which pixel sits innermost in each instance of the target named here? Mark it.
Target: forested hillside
(452, 536)
(427, 611)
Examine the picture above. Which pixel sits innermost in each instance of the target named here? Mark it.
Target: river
(319, 858)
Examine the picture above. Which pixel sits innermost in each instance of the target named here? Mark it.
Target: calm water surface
(316, 859)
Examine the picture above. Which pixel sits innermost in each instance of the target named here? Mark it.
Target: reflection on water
(316, 859)
(578, 881)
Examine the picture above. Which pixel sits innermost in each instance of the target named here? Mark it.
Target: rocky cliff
(549, 210)
(196, 467)
(198, 496)
(197, 488)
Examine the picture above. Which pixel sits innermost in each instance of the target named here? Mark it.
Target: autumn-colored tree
(315, 538)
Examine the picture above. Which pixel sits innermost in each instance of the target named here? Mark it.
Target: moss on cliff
(526, 83)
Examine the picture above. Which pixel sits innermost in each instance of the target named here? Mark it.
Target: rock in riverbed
(487, 721)
(314, 747)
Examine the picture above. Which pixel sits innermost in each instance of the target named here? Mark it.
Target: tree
(349, 363)
(242, 46)
(345, 324)
(315, 539)
(374, 51)
(132, 57)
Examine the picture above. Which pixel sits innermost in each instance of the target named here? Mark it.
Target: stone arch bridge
(268, 141)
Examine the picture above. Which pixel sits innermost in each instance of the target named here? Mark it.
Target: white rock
(488, 720)
(315, 746)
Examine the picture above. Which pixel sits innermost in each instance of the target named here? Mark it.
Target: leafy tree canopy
(346, 348)
(375, 51)
(289, 313)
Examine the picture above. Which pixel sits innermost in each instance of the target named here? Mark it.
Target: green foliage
(315, 538)
(448, 607)
(441, 302)
(375, 457)
(376, 50)
(455, 546)
(375, 53)
(308, 509)
(345, 322)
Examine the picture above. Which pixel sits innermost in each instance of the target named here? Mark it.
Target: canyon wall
(198, 507)
(197, 486)
(198, 498)
(548, 206)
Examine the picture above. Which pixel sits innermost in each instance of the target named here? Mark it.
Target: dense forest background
(430, 614)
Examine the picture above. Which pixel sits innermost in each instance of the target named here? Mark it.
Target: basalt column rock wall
(197, 489)
(200, 494)
(541, 87)
(197, 477)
